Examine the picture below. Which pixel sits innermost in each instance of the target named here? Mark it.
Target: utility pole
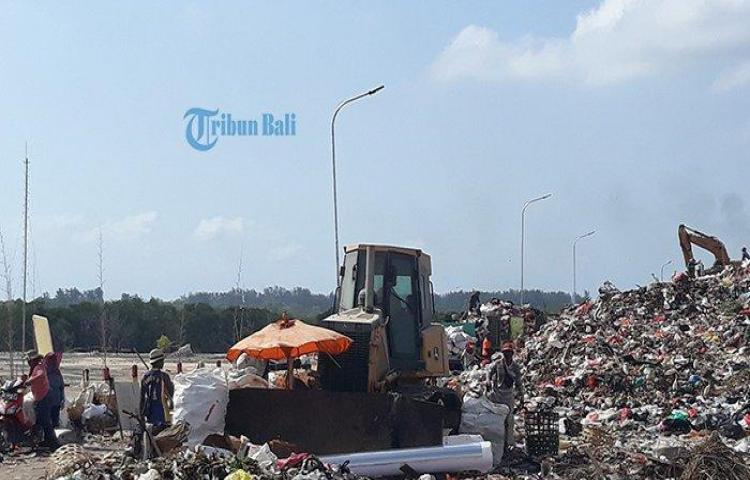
(523, 232)
(573, 295)
(333, 163)
(661, 275)
(103, 313)
(25, 248)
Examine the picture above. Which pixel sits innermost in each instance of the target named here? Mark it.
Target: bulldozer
(385, 303)
(689, 237)
(378, 394)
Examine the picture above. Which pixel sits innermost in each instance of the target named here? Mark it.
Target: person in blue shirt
(157, 391)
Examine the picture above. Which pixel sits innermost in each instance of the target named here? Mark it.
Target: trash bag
(246, 378)
(97, 418)
(200, 400)
(482, 417)
(185, 350)
(152, 474)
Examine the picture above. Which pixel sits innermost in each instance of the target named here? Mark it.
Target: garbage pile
(499, 320)
(94, 409)
(639, 377)
(458, 340)
(209, 463)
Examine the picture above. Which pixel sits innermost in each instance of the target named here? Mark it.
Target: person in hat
(39, 385)
(506, 387)
(157, 390)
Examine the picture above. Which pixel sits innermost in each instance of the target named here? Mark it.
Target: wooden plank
(42, 334)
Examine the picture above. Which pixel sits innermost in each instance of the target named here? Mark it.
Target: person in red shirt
(40, 391)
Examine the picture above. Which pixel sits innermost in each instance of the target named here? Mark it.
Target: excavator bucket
(324, 422)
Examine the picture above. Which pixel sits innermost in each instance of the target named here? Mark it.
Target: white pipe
(447, 458)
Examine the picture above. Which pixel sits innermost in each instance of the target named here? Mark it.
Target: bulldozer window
(402, 306)
(359, 273)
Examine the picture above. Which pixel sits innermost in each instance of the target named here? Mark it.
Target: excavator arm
(689, 237)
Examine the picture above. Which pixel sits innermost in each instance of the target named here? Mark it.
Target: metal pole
(333, 164)
(523, 228)
(573, 295)
(25, 249)
(661, 275)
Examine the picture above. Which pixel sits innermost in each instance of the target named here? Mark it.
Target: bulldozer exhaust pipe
(369, 275)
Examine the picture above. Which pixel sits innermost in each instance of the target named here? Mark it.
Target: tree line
(133, 323)
(209, 321)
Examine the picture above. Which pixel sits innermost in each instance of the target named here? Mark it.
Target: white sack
(479, 416)
(200, 399)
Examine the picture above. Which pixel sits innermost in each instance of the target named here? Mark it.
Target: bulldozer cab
(401, 290)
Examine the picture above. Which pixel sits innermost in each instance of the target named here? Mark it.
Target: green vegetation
(210, 322)
(163, 342)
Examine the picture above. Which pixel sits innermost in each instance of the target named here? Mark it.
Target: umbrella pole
(289, 372)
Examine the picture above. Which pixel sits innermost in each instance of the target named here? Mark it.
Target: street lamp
(661, 275)
(573, 296)
(333, 163)
(523, 228)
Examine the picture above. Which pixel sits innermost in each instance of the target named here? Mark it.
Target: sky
(632, 113)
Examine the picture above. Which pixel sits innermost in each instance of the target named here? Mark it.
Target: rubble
(639, 377)
(199, 463)
(712, 460)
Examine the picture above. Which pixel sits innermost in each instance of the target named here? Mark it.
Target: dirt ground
(33, 466)
(73, 365)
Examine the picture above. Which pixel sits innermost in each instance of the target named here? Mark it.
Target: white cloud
(731, 78)
(616, 41)
(134, 225)
(210, 228)
(129, 227)
(284, 252)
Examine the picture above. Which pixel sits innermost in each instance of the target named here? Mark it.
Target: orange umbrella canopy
(289, 338)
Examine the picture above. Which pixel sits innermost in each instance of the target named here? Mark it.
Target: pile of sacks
(458, 340)
(649, 371)
(501, 320)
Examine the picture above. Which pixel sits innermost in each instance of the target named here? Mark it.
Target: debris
(201, 463)
(185, 351)
(172, 437)
(714, 460)
(639, 377)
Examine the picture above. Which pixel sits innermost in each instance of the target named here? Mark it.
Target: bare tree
(103, 312)
(7, 278)
(181, 328)
(238, 309)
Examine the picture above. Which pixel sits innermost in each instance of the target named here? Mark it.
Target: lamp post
(333, 163)
(573, 296)
(523, 228)
(661, 275)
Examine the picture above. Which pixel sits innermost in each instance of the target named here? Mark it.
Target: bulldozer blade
(323, 422)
